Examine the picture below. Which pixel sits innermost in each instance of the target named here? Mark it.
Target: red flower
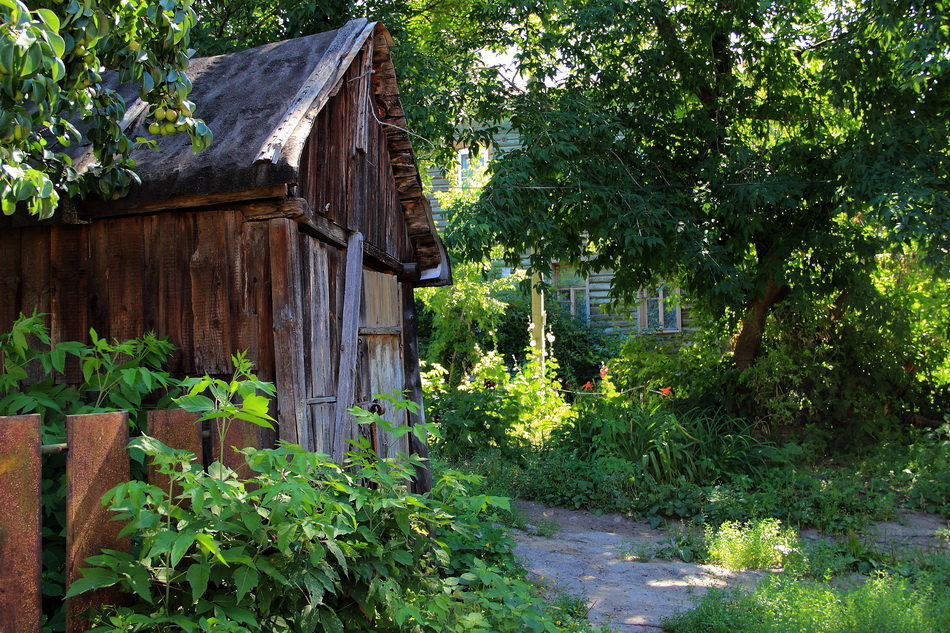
(588, 385)
(666, 391)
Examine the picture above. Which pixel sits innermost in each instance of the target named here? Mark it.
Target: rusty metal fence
(96, 461)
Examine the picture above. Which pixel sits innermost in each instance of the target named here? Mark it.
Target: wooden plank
(95, 463)
(363, 97)
(69, 320)
(209, 300)
(9, 277)
(288, 333)
(176, 244)
(413, 383)
(20, 543)
(349, 345)
(321, 378)
(96, 208)
(321, 423)
(178, 429)
(126, 266)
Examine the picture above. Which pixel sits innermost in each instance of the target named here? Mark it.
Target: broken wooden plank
(349, 345)
(177, 429)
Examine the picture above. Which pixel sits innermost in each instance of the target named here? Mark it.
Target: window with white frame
(571, 291)
(659, 311)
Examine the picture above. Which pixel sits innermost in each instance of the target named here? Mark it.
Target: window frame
(572, 290)
(643, 318)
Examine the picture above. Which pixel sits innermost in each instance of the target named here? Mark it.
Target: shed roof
(261, 104)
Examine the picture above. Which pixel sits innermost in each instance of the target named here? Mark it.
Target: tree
(53, 56)
(749, 150)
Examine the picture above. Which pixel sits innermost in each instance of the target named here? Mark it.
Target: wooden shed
(298, 236)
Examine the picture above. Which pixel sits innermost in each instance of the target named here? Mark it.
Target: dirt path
(591, 555)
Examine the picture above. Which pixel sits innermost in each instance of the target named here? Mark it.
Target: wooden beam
(349, 346)
(95, 208)
(413, 383)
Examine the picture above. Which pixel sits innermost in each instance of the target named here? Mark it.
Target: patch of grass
(635, 552)
(683, 544)
(760, 544)
(547, 529)
(884, 605)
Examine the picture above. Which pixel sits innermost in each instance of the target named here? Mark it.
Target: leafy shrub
(757, 544)
(781, 605)
(694, 445)
(493, 408)
(304, 544)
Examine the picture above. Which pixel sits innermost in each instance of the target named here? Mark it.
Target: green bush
(757, 544)
(304, 544)
(782, 605)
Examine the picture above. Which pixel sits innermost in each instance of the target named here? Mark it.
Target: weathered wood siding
(346, 174)
(202, 279)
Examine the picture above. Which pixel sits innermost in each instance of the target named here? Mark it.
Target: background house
(658, 310)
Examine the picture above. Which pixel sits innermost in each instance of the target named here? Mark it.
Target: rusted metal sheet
(96, 462)
(20, 566)
(178, 429)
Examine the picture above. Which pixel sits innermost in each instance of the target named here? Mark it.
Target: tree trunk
(748, 343)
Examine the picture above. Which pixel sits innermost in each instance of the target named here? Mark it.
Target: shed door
(380, 361)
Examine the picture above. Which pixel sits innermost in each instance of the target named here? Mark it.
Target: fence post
(20, 495)
(96, 462)
(177, 429)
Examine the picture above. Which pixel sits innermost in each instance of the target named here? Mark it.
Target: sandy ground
(591, 555)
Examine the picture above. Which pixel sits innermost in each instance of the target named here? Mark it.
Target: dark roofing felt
(243, 97)
(259, 104)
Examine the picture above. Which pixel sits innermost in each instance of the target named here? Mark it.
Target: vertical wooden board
(247, 281)
(96, 462)
(69, 320)
(413, 383)
(20, 543)
(176, 241)
(288, 336)
(9, 277)
(321, 426)
(35, 269)
(177, 429)
(240, 434)
(209, 301)
(151, 227)
(322, 379)
(384, 358)
(98, 289)
(336, 270)
(383, 300)
(349, 344)
(124, 282)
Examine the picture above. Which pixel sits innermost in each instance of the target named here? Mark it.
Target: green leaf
(92, 578)
(245, 578)
(197, 576)
(195, 403)
(182, 543)
(49, 18)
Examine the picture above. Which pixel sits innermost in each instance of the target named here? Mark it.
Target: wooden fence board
(349, 346)
(96, 462)
(20, 566)
(178, 429)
